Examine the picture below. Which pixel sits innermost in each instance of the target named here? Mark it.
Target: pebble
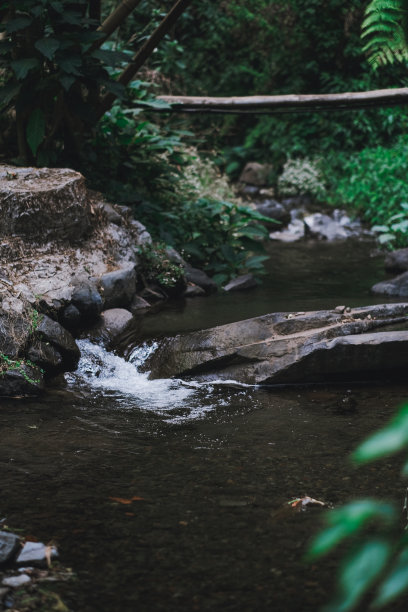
(16, 581)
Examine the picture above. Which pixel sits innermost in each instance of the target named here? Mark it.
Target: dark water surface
(214, 467)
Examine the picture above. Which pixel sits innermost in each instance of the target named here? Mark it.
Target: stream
(165, 496)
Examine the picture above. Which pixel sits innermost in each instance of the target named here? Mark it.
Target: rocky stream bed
(69, 263)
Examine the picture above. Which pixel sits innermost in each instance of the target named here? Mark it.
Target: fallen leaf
(122, 500)
(300, 503)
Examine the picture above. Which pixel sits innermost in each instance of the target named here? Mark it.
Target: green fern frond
(385, 31)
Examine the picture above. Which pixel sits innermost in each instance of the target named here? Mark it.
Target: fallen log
(287, 102)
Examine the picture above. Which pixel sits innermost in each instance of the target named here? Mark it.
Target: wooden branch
(287, 103)
(145, 52)
(115, 19)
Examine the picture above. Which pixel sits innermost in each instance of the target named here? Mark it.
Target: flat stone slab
(291, 348)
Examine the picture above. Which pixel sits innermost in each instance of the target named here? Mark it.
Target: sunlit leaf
(395, 583)
(389, 440)
(347, 521)
(359, 572)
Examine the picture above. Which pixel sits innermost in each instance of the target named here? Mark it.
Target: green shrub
(223, 238)
(301, 176)
(372, 183)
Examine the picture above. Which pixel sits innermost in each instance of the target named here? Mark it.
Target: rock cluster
(67, 258)
(21, 562)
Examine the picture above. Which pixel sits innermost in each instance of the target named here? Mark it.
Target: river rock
(16, 581)
(291, 348)
(397, 261)
(193, 290)
(200, 278)
(36, 554)
(71, 318)
(143, 238)
(61, 339)
(256, 174)
(46, 357)
(44, 204)
(9, 546)
(397, 286)
(139, 304)
(278, 214)
(21, 380)
(240, 283)
(118, 287)
(87, 299)
(114, 322)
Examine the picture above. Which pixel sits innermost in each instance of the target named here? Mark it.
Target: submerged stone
(397, 286)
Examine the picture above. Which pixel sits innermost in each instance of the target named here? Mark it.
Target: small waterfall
(112, 376)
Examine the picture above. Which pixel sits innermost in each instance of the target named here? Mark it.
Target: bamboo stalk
(115, 19)
(289, 102)
(145, 52)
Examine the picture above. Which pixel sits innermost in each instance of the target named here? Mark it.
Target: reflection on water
(214, 468)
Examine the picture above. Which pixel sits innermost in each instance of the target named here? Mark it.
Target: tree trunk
(289, 102)
(145, 52)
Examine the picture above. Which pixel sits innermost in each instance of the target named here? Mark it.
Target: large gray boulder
(44, 204)
(395, 287)
(397, 261)
(287, 348)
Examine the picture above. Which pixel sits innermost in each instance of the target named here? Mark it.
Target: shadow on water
(174, 498)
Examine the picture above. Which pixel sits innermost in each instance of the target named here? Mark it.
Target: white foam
(122, 380)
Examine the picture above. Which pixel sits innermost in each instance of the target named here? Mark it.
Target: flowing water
(166, 496)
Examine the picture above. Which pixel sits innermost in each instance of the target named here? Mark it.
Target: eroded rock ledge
(65, 256)
(292, 348)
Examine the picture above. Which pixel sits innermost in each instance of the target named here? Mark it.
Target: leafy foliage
(52, 74)
(385, 28)
(301, 176)
(373, 183)
(378, 557)
(224, 238)
(156, 265)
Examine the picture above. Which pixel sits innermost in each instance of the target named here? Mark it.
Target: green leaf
(67, 81)
(388, 441)
(395, 583)
(110, 58)
(23, 66)
(253, 231)
(35, 130)
(359, 572)
(8, 92)
(347, 521)
(47, 46)
(383, 238)
(70, 64)
(20, 23)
